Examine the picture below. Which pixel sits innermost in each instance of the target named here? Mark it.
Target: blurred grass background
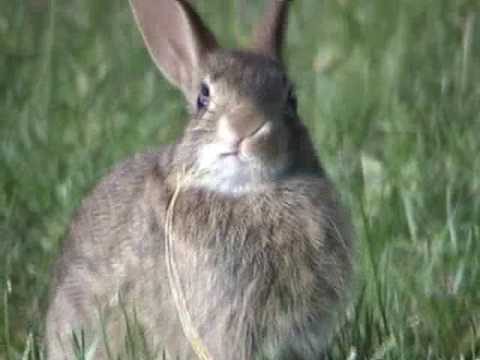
(389, 88)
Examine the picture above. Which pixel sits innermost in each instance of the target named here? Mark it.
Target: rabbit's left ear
(269, 34)
(177, 40)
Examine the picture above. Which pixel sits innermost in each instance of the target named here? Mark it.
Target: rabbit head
(244, 131)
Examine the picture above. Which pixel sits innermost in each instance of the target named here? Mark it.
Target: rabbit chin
(231, 174)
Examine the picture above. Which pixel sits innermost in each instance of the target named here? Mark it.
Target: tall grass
(389, 88)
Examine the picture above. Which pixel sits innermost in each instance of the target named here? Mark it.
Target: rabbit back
(110, 245)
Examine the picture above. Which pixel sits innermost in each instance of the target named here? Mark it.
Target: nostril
(261, 130)
(233, 133)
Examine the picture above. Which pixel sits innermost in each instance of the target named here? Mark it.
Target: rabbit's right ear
(177, 40)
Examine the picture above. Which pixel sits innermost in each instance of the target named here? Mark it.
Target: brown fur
(269, 33)
(263, 262)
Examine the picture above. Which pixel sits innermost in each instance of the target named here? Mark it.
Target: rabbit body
(107, 250)
(261, 273)
(229, 244)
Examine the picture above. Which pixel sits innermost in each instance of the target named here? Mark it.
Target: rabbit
(229, 244)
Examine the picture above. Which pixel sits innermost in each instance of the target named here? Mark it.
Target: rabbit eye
(204, 97)
(292, 100)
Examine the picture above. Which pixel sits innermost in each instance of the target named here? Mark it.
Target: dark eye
(292, 100)
(203, 97)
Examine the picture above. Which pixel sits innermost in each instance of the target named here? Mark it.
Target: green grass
(389, 88)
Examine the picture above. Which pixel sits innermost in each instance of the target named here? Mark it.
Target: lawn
(390, 90)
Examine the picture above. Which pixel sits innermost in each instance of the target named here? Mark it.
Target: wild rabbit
(231, 243)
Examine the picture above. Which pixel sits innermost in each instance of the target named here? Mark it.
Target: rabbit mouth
(216, 158)
(234, 153)
(227, 169)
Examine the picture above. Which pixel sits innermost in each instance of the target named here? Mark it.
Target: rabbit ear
(270, 32)
(176, 38)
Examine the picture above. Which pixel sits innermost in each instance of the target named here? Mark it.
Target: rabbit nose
(239, 125)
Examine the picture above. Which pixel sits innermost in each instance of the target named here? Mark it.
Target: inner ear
(177, 39)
